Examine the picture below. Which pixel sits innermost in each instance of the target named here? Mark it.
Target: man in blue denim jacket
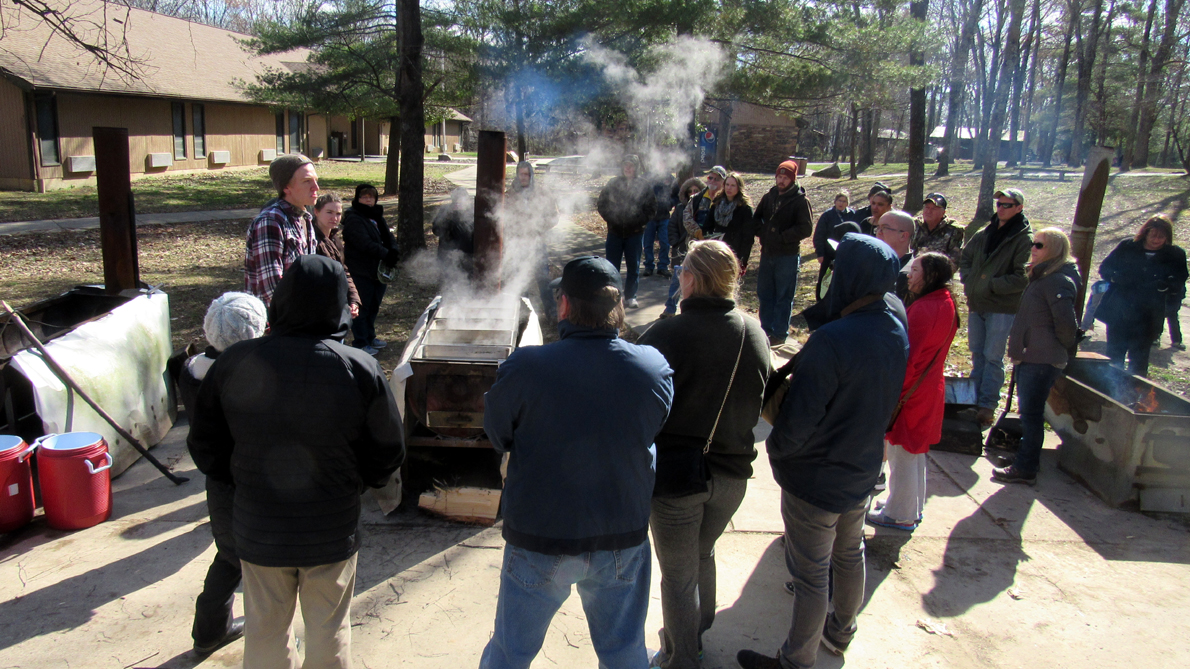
(578, 418)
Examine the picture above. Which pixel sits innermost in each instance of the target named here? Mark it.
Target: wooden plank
(463, 504)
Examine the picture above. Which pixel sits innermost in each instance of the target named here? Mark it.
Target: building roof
(969, 133)
(172, 57)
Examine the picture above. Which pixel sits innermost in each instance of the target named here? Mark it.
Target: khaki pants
(270, 598)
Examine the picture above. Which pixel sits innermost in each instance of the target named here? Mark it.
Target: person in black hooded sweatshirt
(300, 424)
(367, 242)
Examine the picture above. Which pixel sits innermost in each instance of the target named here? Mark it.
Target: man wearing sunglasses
(992, 269)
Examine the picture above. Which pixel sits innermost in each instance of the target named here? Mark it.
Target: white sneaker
(632, 303)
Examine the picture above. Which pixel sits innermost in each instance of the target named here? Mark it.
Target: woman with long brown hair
(1143, 271)
(933, 322)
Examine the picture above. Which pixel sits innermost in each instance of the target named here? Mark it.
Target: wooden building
(185, 109)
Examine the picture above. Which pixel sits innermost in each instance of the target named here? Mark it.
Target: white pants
(906, 484)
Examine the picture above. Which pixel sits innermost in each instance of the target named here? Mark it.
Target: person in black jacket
(368, 243)
(732, 216)
(680, 238)
(300, 424)
(721, 361)
(783, 220)
(1143, 271)
(231, 318)
(825, 227)
(626, 204)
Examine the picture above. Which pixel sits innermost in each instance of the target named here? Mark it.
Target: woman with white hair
(231, 318)
(1044, 333)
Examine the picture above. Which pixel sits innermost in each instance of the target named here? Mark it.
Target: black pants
(212, 610)
(363, 327)
(1132, 339)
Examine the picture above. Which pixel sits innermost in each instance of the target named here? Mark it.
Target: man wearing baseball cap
(783, 219)
(577, 418)
(937, 232)
(283, 230)
(992, 269)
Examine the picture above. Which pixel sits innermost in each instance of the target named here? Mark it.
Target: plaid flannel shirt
(277, 236)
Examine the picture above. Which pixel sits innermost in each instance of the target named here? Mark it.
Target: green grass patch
(201, 191)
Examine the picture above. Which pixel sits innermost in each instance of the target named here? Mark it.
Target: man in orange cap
(783, 219)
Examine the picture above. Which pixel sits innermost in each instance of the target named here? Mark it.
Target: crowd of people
(290, 425)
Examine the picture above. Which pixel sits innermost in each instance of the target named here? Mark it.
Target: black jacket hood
(311, 300)
(863, 266)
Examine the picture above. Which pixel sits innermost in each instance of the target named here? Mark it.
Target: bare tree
(917, 123)
(1008, 64)
(1148, 115)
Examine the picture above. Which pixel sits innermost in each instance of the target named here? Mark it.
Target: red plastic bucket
(16, 483)
(76, 484)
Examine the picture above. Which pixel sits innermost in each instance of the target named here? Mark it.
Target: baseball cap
(1014, 193)
(938, 199)
(718, 169)
(585, 278)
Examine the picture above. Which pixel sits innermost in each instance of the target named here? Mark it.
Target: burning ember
(1146, 402)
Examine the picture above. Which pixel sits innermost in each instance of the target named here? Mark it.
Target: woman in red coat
(932, 325)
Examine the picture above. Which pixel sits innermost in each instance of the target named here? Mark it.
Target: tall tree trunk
(917, 123)
(1014, 104)
(1088, 49)
(867, 153)
(958, 85)
(987, 184)
(392, 163)
(522, 148)
(723, 143)
(1138, 101)
(854, 173)
(1032, 87)
(1176, 103)
(1148, 115)
(411, 231)
(1101, 128)
(1060, 83)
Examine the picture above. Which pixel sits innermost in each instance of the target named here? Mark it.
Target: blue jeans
(1033, 383)
(776, 284)
(614, 587)
(987, 336)
(659, 230)
(671, 303)
(625, 248)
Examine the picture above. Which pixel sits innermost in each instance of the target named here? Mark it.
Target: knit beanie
(282, 169)
(788, 166)
(234, 317)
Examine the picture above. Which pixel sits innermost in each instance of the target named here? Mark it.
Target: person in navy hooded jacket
(827, 444)
(578, 418)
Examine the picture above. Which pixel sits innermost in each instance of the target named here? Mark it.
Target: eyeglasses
(1005, 205)
(1038, 245)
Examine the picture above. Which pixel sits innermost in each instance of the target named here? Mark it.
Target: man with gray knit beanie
(283, 230)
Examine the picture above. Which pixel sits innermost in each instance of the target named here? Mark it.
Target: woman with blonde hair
(1044, 333)
(720, 359)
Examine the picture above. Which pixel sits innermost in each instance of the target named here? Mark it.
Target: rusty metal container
(454, 362)
(1123, 436)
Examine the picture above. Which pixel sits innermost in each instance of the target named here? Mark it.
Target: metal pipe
(1086, 216)
(489, 199)
(117, 215)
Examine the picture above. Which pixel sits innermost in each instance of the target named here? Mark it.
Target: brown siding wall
(454, 132)
(317, 135)
(760, 148)
(14, 137)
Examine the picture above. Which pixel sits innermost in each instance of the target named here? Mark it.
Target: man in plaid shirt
(283, 230)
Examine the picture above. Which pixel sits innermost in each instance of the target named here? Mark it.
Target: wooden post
(489, 198)
(117, 215)
(1086, 216)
